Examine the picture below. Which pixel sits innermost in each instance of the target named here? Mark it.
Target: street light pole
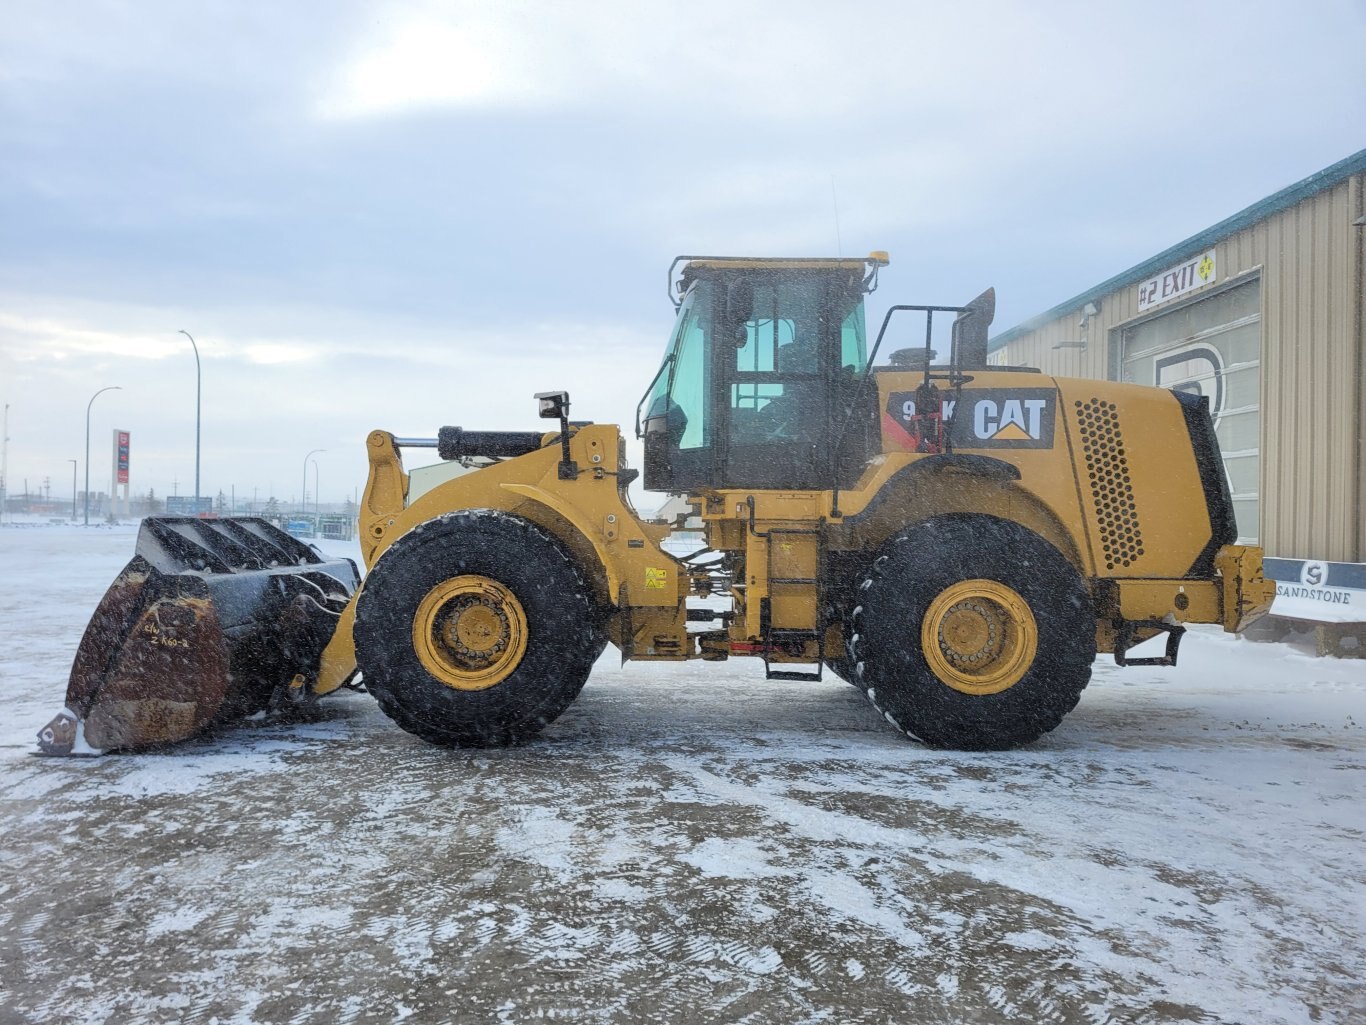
(317, 506)
(112, 387)
(197, 389)
(73, 489)
(4, 464)
(303, 490)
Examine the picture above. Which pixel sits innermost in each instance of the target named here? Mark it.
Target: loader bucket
(205, 623)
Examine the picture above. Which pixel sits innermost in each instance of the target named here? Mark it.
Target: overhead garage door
(1212, 347)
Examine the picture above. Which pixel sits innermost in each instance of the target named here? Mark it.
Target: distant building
(1263, 313)
(687, 537)
(676, 506)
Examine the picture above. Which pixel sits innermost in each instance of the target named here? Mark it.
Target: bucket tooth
(65, 735)
(206, 621)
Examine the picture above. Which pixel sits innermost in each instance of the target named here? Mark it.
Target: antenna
(835, 201)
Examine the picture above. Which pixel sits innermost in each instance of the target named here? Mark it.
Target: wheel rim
(979, 637)
(470, 632)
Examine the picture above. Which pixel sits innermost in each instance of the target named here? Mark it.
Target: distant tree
(221, 504)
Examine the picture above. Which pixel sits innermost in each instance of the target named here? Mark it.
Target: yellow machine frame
(784, 535)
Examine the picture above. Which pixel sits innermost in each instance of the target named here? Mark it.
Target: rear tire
(842, 610)
(474, 629)
(1007, 623)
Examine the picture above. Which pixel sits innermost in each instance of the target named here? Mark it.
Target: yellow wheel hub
(979, 637)
(470, 632)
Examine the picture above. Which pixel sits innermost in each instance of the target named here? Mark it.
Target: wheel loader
(957, 540)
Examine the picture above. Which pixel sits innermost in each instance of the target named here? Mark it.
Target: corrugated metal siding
(1310, 259)
(1356, 272)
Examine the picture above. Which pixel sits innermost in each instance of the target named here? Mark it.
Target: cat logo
(981, 418)
(1010, 420)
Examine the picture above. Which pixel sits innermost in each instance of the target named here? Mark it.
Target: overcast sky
(414, 214)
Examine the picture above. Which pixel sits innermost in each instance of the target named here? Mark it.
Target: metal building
(1263, 313)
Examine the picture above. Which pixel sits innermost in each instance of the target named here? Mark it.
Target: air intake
(1112, 491)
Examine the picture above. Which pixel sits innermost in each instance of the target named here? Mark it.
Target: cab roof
(866, 266)
(873, 259)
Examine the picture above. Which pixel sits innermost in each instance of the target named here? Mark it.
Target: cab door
(773, 389)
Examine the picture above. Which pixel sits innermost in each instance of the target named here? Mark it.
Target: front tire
(843, 667)
(973, 633)
(474, 629)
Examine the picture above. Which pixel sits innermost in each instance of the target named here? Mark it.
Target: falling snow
(688, 843)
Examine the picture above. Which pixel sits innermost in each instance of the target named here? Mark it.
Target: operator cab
(761, 375)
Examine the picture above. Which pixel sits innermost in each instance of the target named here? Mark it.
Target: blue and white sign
(183, 505)
(1323, 592)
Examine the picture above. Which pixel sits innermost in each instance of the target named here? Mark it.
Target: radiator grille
(1112, 491)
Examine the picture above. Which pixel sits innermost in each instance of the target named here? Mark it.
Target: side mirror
(553, 405)
(675, 425)
(739, 301)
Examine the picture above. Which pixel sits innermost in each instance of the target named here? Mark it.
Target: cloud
(403, 214)
(272, 353)
(34, 339)
(761, 61)
(323, 378)
(427, 61)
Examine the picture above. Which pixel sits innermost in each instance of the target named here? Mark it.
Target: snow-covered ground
(689, 843)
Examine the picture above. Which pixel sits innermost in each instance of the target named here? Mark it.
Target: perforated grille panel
(1112, 492)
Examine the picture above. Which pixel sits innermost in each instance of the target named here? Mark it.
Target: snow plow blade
(202, 627)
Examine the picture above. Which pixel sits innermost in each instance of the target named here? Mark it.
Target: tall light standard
(73, 489)
(317, 506)
(303, 491)
(4, 463)
(112, 387)
(197, 382)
